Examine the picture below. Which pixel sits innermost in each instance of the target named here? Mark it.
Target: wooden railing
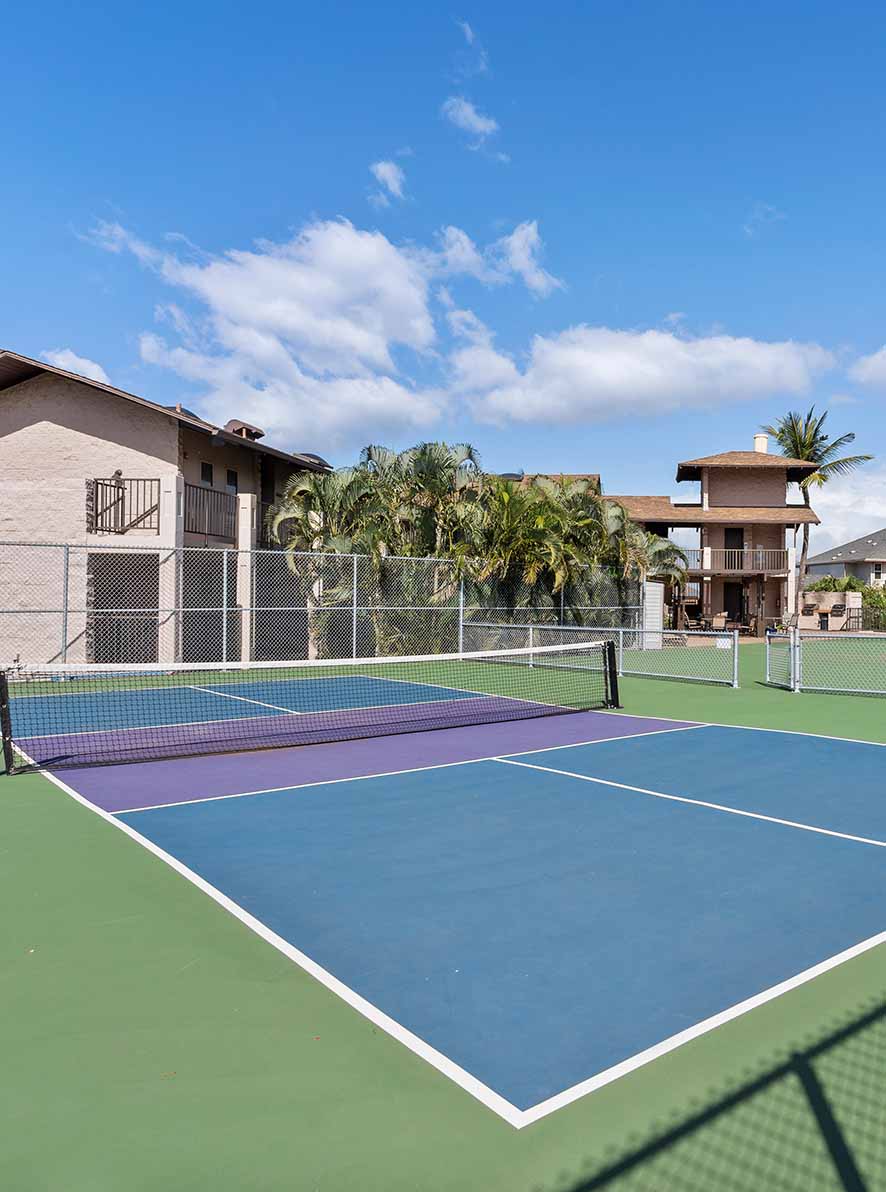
(755, 559)
(210, 512)
(119, 506)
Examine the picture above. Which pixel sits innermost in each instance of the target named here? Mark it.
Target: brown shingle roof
(796, 469)
(664, 511)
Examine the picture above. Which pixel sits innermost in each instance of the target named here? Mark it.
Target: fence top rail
(728, 634)
(88, 670)
(840, 635)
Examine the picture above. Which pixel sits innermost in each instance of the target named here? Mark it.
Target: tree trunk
(801, 570)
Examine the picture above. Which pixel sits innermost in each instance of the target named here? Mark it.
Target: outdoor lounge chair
(718, 621)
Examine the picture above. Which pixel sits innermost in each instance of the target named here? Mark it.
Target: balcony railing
(754, 560)
(210, 512)
(119, 506)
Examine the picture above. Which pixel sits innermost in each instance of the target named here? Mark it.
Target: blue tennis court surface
(537, 923)
(144, 707)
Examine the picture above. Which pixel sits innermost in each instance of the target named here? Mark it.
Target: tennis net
(72, 715)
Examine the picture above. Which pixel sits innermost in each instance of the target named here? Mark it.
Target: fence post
(66, 558)
(224, 606)
(621, 649)
(796, 660)
(734, 657)
(354, 609)
(461, 616)
(531, 644)
(562, 610)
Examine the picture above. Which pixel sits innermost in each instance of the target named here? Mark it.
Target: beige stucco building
(132, 493)
(744, 563)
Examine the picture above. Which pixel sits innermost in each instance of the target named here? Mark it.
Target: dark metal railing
(210, 512)
(119, 506)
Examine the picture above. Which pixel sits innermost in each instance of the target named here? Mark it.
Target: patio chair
(718, 621)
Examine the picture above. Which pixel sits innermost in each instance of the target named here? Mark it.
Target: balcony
(210, 513)
(118, 506)
(756, 561)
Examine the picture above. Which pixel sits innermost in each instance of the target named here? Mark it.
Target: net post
(531, 644)
(735, 658)
(612, 674)
(6, 724)
(354, 608)
(768, 669)
(461, 616)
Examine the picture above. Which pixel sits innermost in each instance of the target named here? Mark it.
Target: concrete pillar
(791, 596)
(247, 528)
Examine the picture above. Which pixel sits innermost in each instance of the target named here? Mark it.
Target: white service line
(245, 699)
(642, 790)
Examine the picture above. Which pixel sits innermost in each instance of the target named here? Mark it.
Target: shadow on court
(816, 1121)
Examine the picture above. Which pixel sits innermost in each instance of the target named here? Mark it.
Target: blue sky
(595, 238)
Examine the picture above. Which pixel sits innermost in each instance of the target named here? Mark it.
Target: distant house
(865, 558)
(744, 563)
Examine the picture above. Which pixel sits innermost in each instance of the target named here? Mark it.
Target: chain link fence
(813, 1122)
(838, 662)
(64, 603)
(691, 656)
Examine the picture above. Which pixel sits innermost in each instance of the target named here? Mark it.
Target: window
(877, 573)
(232, 481)
(206, 474)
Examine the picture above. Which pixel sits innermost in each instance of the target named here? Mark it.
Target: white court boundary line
(747, 728)
(465, 1080)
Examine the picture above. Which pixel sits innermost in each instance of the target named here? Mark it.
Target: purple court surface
(152, 784)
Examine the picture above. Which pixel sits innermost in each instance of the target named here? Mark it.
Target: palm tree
(802, 436)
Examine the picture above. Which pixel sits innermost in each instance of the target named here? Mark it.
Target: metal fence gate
(838, 662)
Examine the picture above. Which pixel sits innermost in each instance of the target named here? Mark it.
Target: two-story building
(743, 563)
(128, 492)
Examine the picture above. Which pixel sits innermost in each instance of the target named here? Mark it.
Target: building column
(172, 537)
(791, 587)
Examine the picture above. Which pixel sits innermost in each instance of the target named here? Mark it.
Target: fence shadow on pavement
(815, 1121)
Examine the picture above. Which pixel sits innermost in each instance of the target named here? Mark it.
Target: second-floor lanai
(82, 462)
(743, 558)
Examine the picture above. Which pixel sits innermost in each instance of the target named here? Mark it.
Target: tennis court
(535, 905)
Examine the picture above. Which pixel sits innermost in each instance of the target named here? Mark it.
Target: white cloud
(519, 251)
(675, 318)
(587, 374)
(870, 370)
(468, 32)
(760, 216)
(849, 507)
(313, 339)
(81, 365)
(462, 113)
(299, 337)
(390, 177)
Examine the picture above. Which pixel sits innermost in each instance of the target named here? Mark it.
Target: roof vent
(761, 444)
